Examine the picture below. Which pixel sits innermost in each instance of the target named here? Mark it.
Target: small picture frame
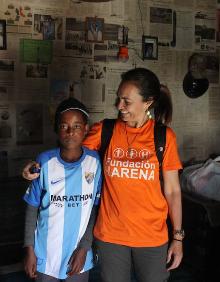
(94, 29)
(3, 45)
(149, 47)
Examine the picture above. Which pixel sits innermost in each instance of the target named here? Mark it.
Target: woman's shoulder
(170, 133)
(93, 138)
(96, 127)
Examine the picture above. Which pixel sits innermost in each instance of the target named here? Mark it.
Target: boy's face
(72, 129)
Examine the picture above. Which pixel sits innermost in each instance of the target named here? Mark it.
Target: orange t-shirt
(133, 210)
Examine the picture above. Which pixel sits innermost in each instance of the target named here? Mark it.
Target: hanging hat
(195, 83)
(193, 87)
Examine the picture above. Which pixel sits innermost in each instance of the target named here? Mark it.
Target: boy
(61, 203)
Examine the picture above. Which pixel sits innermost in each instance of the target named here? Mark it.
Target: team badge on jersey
(89, 176)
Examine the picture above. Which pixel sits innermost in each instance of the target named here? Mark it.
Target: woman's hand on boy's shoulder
(77, 261)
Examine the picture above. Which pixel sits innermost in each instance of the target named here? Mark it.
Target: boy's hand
(30, 262)
(27, 174)
(76, 262)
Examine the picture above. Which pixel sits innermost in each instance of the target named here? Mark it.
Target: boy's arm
(33, 199)
(30, 225)
(30, 261)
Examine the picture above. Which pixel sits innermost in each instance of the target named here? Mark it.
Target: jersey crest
(89, 176)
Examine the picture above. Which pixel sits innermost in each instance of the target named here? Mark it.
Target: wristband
(179, 233)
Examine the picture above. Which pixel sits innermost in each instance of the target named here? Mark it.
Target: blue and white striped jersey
(65, 194)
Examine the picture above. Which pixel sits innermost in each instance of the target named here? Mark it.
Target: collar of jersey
(71, 164)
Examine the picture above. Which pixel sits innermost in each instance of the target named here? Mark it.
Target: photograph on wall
(94, 29)
(18, 17)
(29, 125)
(161, 24)
(205, 31)
(80, 48)
(59, 90)
(75, 44)
(3, 35)
(36, 71)
(48, 27)
(75, 30)
(149, 48)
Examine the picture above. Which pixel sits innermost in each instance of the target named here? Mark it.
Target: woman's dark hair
(70, 104)
(151, 90)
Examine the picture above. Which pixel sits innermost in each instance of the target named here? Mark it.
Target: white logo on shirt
(118, 153)
(131, 154)
(145, 154)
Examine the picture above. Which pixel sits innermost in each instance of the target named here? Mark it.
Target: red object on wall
(123, 53)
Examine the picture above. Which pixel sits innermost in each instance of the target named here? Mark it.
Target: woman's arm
(93, 138)
(91, 141)
(172, 193)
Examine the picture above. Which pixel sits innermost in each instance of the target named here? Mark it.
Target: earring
(149, 114)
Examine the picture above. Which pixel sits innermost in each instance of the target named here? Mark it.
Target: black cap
(194, 88)
(69, 104)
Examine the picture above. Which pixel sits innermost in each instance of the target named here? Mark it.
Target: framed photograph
(94, 29)
(149, 47)
(3, 44)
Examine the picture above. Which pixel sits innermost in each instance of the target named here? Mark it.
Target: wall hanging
(195, 83)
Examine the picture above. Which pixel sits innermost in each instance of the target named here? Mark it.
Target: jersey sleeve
(93, 139)
(33, 193)
(98, 183)
(171, 160)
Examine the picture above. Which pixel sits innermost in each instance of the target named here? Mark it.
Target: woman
(131, 228)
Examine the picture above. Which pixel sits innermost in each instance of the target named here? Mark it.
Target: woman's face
(130, 104)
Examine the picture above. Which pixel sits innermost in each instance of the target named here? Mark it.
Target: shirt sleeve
(171, 160)
(93, 139)
(34, 190)
(33, 193)
(31, 214)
